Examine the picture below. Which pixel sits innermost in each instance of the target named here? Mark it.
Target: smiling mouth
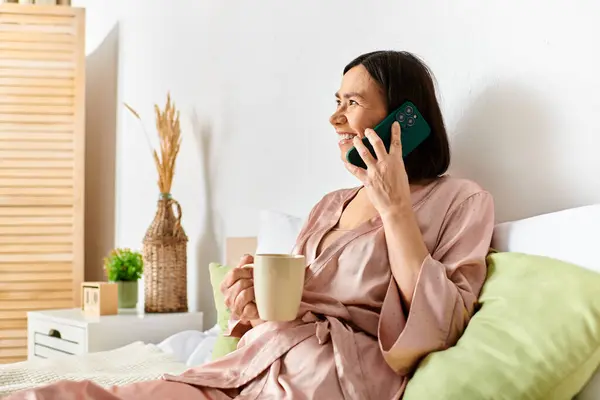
(345, 137)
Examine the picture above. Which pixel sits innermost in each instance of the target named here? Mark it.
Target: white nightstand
(54, 333)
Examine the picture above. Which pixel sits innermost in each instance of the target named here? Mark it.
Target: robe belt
(345, 353)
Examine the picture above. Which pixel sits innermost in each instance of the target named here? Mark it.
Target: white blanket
(132, 363)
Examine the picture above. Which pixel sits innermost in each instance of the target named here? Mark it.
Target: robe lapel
(310, 244)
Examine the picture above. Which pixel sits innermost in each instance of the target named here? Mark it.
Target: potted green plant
(125, 267)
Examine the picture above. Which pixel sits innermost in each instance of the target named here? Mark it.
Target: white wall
(519, 84)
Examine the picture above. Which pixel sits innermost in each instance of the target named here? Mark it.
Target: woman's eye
(350, 102)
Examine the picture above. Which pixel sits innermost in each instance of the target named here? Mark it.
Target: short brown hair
(404, 77)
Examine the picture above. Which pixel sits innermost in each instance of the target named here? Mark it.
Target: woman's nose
(337, 118)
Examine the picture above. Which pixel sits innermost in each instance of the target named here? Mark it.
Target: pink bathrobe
(352, 339)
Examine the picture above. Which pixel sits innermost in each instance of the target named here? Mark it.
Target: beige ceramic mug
(278, 285)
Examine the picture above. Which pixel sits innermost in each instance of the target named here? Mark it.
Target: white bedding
(132, 363)
(191, 347)
(135, 362)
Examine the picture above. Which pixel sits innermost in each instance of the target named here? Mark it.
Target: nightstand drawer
(41, 351)
(54, 339)
(62, 345)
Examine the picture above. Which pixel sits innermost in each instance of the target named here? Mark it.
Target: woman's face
(360, 105)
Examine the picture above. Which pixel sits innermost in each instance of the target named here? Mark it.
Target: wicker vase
(165, 260)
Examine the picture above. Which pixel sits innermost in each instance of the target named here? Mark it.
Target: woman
(395, 266)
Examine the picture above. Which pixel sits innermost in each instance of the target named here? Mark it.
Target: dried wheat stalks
(169, 134)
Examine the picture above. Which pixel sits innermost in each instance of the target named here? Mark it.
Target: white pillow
(191, 347)
(569, 235)
(277, 232)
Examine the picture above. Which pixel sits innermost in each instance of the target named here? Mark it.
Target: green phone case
(414, 130)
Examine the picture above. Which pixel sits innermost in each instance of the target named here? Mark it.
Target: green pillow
(224, 345)
(536, 336)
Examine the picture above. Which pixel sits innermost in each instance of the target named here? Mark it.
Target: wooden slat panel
(13, 342)
(51, 191)
(35, 182)
(20, 323)
(11, 258)
(31, 123)
(18, 276)
(48, 182)
(35, 154)
(35, 118)
(38, 146)
(35, 230)
(45, 128)
(40, 109)
(41, 46)
(15, 352)
(37, 165)
(36, 55)
(42, 94)
(35, 244)
(45, 295)
(28, 248)
(39, 91)
(43, 9)
(36, 19)
(33, 201)
(10, 314)
(37, 37)
(33, 286)
(79, 162)
(46, 66)
(59, 220)
(9, 360)
(79, 166)
(36, 82)
(12, 72)
(36, 173)
(36, 191)
(36, 137)
(44, 29)
(34, 168)
(12, 333)
(42, 267)
(30, 211)
(29, 305)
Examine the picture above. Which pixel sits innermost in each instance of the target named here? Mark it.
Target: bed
(134, 362)
(567, 235)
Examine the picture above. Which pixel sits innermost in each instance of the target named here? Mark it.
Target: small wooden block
(99, 298)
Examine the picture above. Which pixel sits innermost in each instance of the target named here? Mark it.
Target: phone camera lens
(410, 122)
(409, 110)
(401, 117)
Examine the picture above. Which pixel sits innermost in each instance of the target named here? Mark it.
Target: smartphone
(412, 124)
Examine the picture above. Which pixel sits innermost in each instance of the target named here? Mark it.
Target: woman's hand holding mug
(266, 287)
(238, 290)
